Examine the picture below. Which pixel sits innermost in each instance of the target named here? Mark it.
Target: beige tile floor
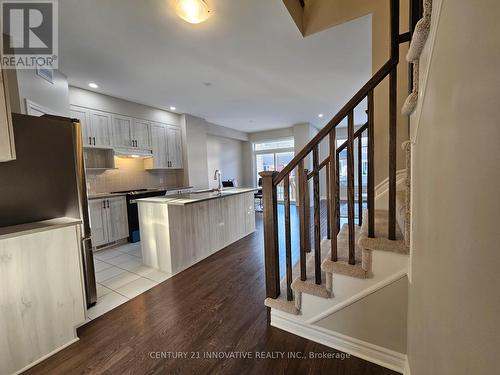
(121, 276)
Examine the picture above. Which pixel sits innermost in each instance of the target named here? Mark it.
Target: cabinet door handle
(94, 140)
(90, 140)
(108, 204)
(104, 204)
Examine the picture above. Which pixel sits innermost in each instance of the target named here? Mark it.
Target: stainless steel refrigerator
(47, 180)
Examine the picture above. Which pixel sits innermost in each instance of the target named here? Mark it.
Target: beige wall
(454, 304)
(379, 318)
(320, 15)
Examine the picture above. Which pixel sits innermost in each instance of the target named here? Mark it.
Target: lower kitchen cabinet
(108, 220)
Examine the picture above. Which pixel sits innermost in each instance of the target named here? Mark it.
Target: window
(343, 160)
(273, 145)
(274, 156)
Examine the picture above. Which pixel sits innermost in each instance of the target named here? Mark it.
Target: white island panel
(176, 236)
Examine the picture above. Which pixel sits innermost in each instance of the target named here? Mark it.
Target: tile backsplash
(129, 175)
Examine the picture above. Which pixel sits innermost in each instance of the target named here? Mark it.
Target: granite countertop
(201, 196)
(110, 195)
(38, 226)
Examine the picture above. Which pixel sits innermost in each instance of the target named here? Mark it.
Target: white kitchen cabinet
(159, 146)
(108, 220)
(96, 126)
(98, 221)
(7, 147)
(174, 139)
(122, 131)
(82, 114)
(116, 212)
(166, 146)
(141, 135)
(100, 123)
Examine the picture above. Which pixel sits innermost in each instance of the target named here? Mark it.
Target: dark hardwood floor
(214, 306)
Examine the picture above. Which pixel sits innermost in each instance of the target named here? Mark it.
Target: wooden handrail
(356, 99)
(271, 180)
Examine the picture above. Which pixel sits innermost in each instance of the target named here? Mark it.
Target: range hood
(132, 153)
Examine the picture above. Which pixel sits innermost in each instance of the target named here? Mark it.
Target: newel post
(271, 255)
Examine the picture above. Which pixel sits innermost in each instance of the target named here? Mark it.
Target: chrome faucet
(218, 176)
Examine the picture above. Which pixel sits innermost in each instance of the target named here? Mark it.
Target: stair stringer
(353, 340)
(388, 268)
(346, 289)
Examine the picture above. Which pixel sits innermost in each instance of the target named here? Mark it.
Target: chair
(258, 195)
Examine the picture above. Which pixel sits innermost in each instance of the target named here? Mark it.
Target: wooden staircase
(347, 250)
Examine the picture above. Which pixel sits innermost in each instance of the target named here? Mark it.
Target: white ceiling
(263, 74)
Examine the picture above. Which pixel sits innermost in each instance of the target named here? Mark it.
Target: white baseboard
(407, 370)
(39, 360)
(358, 348)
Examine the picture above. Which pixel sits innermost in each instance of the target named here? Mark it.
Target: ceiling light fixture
(93, 85)
(320, 115)
(193, 11)
(173, 108)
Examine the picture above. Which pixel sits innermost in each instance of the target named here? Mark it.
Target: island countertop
(184, 199)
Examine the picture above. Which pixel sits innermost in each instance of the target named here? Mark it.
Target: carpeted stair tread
(282, 304)
(310, 287)
(380, 242)
(343, 245)
(344, 268)
(363, 257)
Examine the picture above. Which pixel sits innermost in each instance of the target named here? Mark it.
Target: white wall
(204, 144)
(52, 96)
(226, 155)
(454, 304)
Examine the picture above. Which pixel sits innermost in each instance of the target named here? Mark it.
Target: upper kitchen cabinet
(166, 147)
(122, 131)
(96, 126)
(7, 149)
(174, 139)
(100, 124)
(159, 146)
(141, 134)
(82, 115)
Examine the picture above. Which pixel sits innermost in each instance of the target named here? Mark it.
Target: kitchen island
(179, 231)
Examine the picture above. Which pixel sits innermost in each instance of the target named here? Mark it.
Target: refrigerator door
(87, 248)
